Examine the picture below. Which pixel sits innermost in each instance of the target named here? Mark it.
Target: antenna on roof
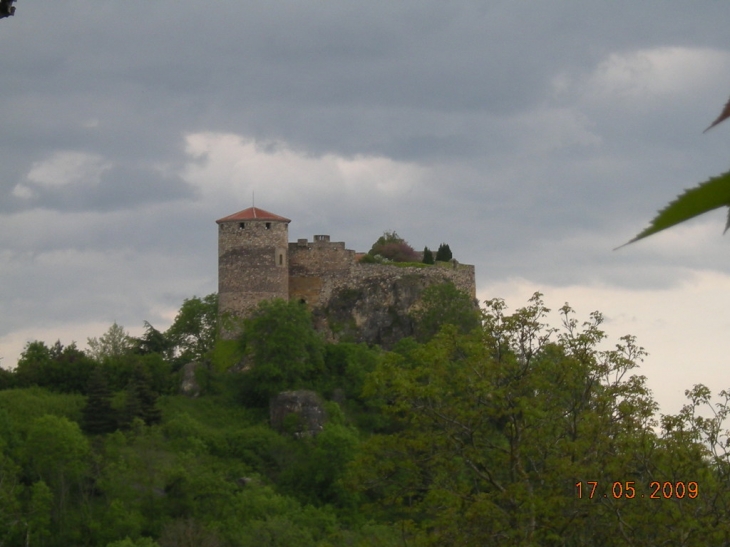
(253, 198)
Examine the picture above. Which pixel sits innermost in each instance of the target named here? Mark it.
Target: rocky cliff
(378, 307)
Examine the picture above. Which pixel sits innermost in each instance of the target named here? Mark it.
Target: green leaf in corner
(707, 196)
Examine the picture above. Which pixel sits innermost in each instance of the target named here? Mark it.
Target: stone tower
(252, 260)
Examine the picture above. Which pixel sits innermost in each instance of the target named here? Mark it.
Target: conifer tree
(98, 415)
(132, 406)
(444, 253)
(141, 400)
(427, 256)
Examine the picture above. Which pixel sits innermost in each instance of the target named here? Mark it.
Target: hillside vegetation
(489, 428)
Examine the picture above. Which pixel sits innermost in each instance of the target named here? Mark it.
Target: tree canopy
(444, 304)
(284, 350)
(391, 246)
(492, 428)
(443, 254)
(502, 434)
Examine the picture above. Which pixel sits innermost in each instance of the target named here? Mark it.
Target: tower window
(241, 225)
(268, 225)
(281, 259)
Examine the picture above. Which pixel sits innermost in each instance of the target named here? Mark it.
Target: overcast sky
(532, 136)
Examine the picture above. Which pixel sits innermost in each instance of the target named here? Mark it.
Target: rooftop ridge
(252, 213)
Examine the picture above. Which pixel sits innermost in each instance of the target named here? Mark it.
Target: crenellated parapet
(257, 262)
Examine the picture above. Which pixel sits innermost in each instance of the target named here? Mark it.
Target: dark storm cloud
(525, 134)
(216, 62)
(118, 188)
(396, 79)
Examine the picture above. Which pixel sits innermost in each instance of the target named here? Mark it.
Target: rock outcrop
(379, 308)
(189, 383)
(297, 412)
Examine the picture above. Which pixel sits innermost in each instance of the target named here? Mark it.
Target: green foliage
(315, 476)
(188, 532)
(443, 254)
(98, 415)
(409, 264)
(115, 343)
(139, 542)
(709, 195)
(120, 372)
(193, 333)
(476, 437)
(382, 535)
(120, 518)
(152, 341)
(497, 427)
(23, 406)
(40, 509)
(56, 451)
(7, 379)
(427, 256)
(212, 412)
(65, 369)
(226, 354)
(284, 349)
(276, 532)
(258, 447)
(56, 456)
(10, 503)
(141, 400)
(444, 304)
(9, 436)
(346, 366)
(369, 259)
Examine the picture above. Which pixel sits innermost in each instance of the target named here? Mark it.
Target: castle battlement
(257, 262)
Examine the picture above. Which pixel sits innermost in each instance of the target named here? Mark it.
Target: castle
(367, 302)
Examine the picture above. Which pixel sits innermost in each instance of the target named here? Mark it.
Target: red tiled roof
(252, 213)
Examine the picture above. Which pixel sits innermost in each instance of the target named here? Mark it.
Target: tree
(444, 304)
(427, 256)
(139, 542)
(10, 490)
(315, 475)
(498, 428)
(141, 399)
(56, 453)
(152, 341)
(38, 525)
(444, 253)
(283, 348)
(393, 247)
(7, 379)
(707, 196)
(33, 361)
(98, 415)
(193, 333)
(188, 533)
(58, 368)
(115, 343)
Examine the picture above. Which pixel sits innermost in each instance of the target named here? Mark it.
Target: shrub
(393, 247)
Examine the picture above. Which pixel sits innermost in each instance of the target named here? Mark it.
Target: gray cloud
(533, 137)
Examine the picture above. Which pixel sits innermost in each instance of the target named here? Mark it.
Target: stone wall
(306, 409)
(461, 275)
(350, 301)
(317, 266)
(252, 264)
(374, 303)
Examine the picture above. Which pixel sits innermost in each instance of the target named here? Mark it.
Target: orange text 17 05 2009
(655, 490)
